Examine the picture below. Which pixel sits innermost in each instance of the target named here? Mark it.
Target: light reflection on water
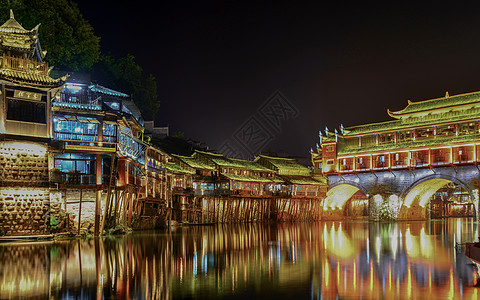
(284, 261)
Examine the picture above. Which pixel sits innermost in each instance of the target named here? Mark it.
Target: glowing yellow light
(338, 196)
(23, 147)
(409, 245)
(354, 275)
(339, 245)
(371, 276)
(423, 191)
(378, 247)
(410, 197)
(378, 199)
(327, 273)
(394, 243)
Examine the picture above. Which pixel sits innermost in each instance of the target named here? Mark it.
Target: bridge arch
(416, 197)
(339, 194)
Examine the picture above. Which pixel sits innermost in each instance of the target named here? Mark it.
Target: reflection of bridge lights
(409, 244)
(394, 243)
(338, 244)
(325, 236)
(378, 247)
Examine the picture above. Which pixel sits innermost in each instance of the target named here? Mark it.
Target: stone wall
(24, 211)
(71, 198)
(24, 192)
(23, 164)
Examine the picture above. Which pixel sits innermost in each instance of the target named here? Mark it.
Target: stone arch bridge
(399, 194)
(401, 163)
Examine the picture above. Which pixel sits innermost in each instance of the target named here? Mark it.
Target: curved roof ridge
(430, 104)
(12, 23)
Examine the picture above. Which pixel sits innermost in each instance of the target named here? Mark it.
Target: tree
(72, 45)
(126, 75)
(68, 38)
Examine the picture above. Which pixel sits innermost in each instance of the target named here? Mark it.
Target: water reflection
(318, 260)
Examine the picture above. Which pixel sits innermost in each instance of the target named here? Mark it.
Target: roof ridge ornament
(11, 14)
(446, 94)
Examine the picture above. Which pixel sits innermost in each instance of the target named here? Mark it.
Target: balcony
(73, 178)
(78, 101)
(89, 146)
(182, 191)
(25, 65)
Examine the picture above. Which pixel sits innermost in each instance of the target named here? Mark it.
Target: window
(26, 111)
(81, 163)
(109, 133)
(71, 129)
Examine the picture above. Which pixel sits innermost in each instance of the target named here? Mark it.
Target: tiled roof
(286, 165)
(250, 165)
(103, 90)
(219, 159)
(252, 178)
(14, 36)
(395, 125)
(193, 162)
(174, 168)
(303, 180)
(438, 103)
(31, 78)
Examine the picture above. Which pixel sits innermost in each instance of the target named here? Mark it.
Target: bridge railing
(415, 158)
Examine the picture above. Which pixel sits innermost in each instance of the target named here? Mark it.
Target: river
(324, 260)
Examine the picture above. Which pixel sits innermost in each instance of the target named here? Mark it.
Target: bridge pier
(333, 214)
(475, 200)
(384, 207)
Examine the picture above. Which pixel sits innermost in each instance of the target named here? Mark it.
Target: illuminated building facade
(26, 93)
(402, 163)
(209, 187)
(73, 156)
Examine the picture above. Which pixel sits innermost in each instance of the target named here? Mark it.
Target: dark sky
(217, 63)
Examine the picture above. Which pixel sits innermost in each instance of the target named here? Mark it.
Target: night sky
(218, 63)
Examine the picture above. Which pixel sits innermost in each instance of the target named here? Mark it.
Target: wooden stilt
(130, 208)
(79, 214)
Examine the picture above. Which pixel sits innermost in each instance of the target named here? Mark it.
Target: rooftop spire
(12, 23)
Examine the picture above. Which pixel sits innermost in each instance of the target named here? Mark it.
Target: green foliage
(68, 38)
(72, 45)
(179, 135)
(54, 222)
(127, 76)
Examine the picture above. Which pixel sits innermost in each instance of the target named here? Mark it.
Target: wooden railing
(26, 65)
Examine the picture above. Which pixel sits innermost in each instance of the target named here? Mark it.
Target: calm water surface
(286, 261)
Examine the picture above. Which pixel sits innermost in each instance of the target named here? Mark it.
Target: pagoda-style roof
(21, 57)
(16, 40)
(31, 79)
(443, 110)
(437, 105)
